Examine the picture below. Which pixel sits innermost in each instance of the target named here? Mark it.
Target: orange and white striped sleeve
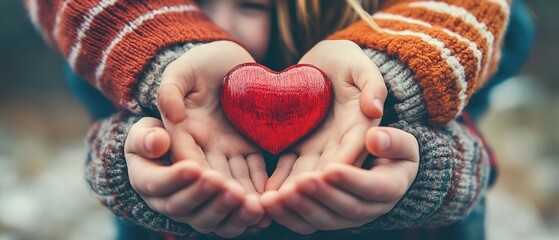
(433, 54)
(110, 42)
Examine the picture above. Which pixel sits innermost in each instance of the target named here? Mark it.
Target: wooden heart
(275, 110)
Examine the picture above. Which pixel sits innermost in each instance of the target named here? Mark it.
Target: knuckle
(374, 193)
(172, 209)
(151, 188)
(399, 190)
(357, 212)
(137, 185)
(204, 224)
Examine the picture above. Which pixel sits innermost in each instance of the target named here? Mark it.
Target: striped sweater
(451, 48)
(445, 49)
(109, 42)
(433, 55)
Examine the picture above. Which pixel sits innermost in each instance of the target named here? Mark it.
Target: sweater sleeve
(452, 178)
(435, 54)
(107, 175)
(109, 43)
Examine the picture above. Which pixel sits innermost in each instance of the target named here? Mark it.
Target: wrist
(150, 78)
(402, 86)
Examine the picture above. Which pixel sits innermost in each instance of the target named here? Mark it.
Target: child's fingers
(177, 82)
(356, 69)
(283, 215)
(213, 212)
(185, 201)
(184, 147)
(252, 210)
(238, 221)
(202, 68)
(313, 212)
(392, 143)
(265, 221)
(219, 163)
(170, 101)
(367, 78)
(147, 138)
(384, 184)
(240, 172)
(340, 201)
(351, 149)
(307, 208)
(149, 178)
(257, 170)
(283, 168)
(304, 164)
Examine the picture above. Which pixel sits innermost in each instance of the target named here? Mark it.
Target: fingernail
(379, 104)
(383, 140)
(148, 141)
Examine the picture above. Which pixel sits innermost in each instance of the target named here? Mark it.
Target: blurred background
(43, 194)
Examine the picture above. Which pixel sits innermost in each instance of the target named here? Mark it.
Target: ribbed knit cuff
(150, 79)
(401, 84)
(107, 175)
(452, 177)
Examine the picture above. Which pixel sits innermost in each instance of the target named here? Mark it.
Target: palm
(191, 111)
(340, 138)
(212, 132)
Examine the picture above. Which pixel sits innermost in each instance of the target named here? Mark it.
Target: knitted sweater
(110, 42)
(444, 50)
(452, 177)
(433, 55)
(450, 48)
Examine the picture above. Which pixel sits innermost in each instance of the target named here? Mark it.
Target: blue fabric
(128, 231)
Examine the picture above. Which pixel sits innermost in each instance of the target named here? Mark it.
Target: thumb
(392, 143)
(147, 138)
(368, 79)
(176, 83)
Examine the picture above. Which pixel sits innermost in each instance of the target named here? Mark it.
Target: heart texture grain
(275, 109)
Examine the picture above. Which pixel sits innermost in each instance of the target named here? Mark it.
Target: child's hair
(302, 23)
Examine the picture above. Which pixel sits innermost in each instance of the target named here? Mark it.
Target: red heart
(273, 109)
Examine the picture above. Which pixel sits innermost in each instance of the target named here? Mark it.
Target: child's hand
(189, 102)
(185, 191)
(359, 94)
(344, 196)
